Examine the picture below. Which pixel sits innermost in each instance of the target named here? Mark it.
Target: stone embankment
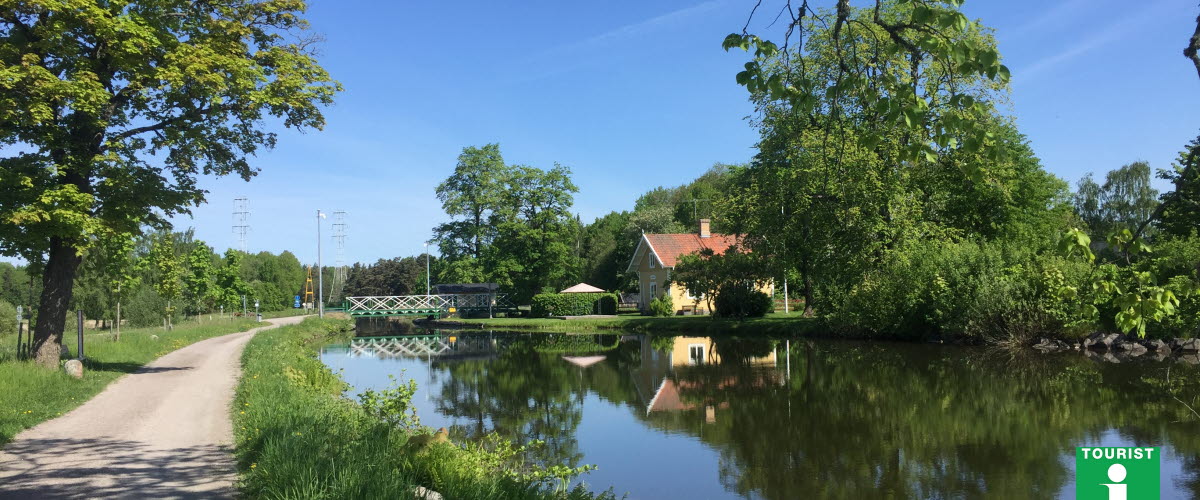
(1115, 348)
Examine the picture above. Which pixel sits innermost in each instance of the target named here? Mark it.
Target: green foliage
(1180, 214)
(661, 306)
(573, 304)
(708, 275)
(8, 319)
(392, 405)
(921, 68)
(1124, 201)
(737, 300)
(228, 286)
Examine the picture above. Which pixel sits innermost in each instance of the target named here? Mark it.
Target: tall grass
(298, 437)
(30, 394)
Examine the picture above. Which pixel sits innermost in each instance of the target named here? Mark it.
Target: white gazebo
(583, 288)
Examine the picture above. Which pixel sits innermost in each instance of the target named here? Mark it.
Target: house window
(695, 354)
(653, 290)
(651, 259)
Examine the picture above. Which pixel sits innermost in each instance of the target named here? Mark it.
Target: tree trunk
(808, 288)
(58, 282)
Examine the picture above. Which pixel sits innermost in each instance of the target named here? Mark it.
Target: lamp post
(257, 315)
(426, 268)
(320, 274)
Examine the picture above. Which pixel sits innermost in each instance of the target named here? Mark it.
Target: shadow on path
(109, 468)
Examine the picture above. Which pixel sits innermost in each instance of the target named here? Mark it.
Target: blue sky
(635, 94)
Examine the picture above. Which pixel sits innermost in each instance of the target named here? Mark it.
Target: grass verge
(30, 394)
(298, 437)
(771, 324)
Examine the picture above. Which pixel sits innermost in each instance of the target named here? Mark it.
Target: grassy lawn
(773, 324)
(297, 437)
(30, 394)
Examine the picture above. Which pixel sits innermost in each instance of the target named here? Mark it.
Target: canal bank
(298, 436)
(771, 324)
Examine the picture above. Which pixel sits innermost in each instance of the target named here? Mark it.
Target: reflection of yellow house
(690, 351)
(657, 254)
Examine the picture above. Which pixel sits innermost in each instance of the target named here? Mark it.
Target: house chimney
(704, 233)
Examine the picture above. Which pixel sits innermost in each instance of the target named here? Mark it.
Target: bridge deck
(425, 305)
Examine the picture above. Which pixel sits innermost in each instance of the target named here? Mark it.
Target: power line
(241, 220)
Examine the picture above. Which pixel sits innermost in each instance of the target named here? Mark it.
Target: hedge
(572, 304)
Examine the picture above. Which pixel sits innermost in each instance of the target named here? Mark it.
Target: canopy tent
(583, 288)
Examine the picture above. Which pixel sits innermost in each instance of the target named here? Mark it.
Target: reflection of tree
(850, 420)
(522, 396)
(915, 422)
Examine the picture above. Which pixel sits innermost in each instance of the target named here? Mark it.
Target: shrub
(573, 304)
(662, 306)
(8, 319)
(740, 301)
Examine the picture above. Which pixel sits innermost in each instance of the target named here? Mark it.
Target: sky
(633, 94)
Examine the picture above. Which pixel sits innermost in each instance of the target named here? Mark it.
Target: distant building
(657, 254)
(465, 288)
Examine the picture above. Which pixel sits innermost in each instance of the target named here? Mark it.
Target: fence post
(79, 331)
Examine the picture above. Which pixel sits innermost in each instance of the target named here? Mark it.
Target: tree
(198, 281)
(535, 233)
(709, 275)
(470, 194)
(228, 286)
(168, 274)
(1124, 201)
(91, 90)
(1180, 210)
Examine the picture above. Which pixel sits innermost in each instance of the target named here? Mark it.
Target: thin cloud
(552, 60)
(1109, 34)
(1060, 11)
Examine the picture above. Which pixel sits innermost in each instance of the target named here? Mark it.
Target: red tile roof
(670, 247)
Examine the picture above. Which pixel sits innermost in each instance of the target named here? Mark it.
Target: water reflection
(699, 417)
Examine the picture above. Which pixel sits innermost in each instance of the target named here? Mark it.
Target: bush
(8, 319)
(573, 304)
(146, 308)
(740, 301)
(662, 306)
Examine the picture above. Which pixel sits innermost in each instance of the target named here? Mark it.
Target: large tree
(469, 196)
(113, 108)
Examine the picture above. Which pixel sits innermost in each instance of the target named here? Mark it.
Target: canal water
(713, 417)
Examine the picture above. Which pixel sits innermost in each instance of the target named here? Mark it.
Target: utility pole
(320, 274)
(241, 220)
(339, 237)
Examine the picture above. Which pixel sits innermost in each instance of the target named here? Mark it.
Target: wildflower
(253, 466)
(243, 413)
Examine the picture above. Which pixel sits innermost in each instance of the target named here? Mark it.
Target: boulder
(1186, 345)
(1101, 341)
(154, 337)
(1156, 345)
(1191, 359)
(1051, 345)
(1129, 347)
(74, 368)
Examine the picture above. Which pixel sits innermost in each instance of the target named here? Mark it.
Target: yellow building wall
(701, 351)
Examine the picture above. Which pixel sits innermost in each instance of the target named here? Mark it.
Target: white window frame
(693, 360)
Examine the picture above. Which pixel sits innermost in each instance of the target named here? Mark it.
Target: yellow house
(657, 254)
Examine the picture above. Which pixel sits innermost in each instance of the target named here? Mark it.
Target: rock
(423, 493)
(1101, 341)
(154, 337)
(1051, 345)
(1156, 345)
(1129, 347)
(1186, 345)
(1191, 359)
(74, 368)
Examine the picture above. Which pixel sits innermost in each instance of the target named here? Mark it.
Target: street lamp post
(257, 315)
(320, 274)
(426, 268)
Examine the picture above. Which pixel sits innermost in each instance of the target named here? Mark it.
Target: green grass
(771, 324)
(30, 394)
(297, 437)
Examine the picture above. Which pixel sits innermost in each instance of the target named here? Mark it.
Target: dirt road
(161, 432)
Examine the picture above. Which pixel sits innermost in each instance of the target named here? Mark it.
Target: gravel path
(160, 432)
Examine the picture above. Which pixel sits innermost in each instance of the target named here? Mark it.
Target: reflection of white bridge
(420, 347)
(424, 305)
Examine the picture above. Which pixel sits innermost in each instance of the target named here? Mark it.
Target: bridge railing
(427, 303)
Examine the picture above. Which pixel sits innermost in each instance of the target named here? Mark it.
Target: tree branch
(1193, 46)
